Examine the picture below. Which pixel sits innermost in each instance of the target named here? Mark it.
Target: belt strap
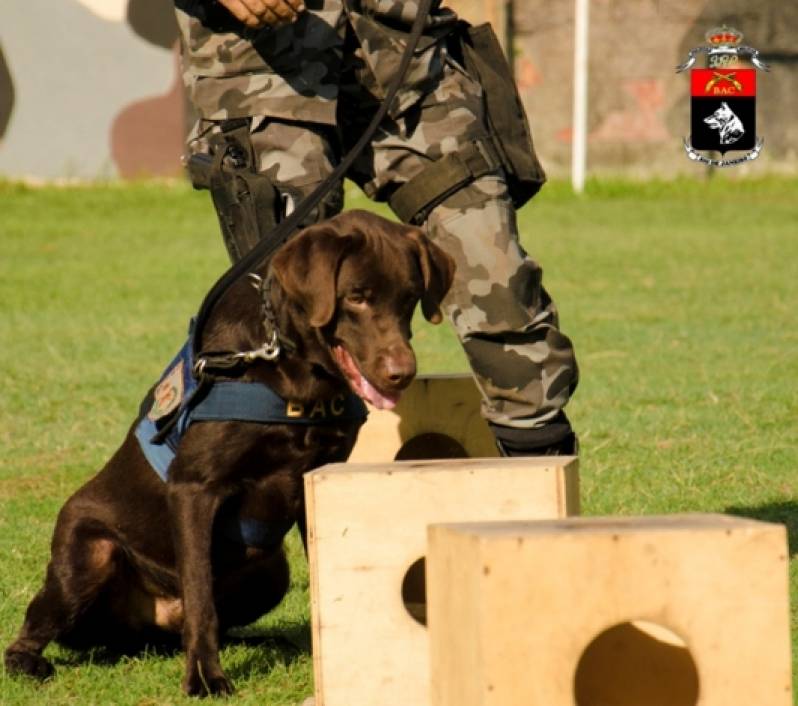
(416, 198)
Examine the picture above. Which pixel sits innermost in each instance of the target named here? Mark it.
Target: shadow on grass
(267, 647)
(292, 636)
(72, 656)
(785, 513)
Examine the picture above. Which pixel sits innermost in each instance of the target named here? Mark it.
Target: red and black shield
(723, 109)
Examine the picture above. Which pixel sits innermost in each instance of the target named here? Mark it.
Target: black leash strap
(268, 245)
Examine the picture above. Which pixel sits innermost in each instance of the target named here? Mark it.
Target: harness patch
(167, 394)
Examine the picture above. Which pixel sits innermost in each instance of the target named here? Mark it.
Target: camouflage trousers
(505, 320)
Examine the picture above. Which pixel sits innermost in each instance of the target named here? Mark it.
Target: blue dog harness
(179, 400)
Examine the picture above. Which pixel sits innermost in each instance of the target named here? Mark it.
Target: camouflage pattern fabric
(506, 321)
(381, 28)
(292, 71)
(503, 316)
(288, 71)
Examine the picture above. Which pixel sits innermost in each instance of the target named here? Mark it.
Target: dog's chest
(270, 495)
(296, 450)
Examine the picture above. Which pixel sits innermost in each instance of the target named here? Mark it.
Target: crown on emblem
(723, 35)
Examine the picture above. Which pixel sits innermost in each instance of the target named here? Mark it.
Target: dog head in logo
(727, 123)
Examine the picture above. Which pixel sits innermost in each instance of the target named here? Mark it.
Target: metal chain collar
(270, 350)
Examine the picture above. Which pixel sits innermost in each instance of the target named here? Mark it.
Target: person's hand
(260, 13)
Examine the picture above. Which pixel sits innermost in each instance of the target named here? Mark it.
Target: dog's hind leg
(83, 560)
(245, 595)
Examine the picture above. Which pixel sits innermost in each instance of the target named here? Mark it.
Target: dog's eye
(359, 297)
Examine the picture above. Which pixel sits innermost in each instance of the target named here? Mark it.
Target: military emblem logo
(723, 99)
(168, 394)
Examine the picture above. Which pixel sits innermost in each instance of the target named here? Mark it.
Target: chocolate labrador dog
(182, 535)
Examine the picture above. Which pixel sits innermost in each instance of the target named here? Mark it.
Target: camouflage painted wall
(90, 88)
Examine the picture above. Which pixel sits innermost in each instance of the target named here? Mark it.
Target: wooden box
(367, 535)
(437, 417)
(683, 610)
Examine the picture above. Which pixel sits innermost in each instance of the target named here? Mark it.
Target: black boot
(556, 438)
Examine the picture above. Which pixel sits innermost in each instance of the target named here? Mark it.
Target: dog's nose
(399, 368)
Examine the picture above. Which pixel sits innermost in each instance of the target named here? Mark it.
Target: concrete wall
(91, 88)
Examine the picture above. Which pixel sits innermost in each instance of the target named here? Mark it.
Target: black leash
(268, 245)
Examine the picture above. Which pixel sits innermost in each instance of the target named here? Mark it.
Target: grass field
(680, 297)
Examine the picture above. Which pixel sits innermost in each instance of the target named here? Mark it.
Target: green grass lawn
(680, 298)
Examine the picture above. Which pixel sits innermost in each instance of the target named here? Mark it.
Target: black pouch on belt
(486, 62)
(248, 204)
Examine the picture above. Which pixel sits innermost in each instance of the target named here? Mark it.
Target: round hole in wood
(636, 663)
(414, 591)
(430, 445)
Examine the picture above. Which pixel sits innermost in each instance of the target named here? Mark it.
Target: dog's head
(357, 279)
(720, 117)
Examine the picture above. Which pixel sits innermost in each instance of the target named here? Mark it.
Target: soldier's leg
(506, 321)
(504, 318)
(258, 170)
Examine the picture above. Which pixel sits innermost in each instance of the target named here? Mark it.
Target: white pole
(579, 134)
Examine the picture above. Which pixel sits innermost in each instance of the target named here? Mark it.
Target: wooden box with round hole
(437, 417)
(367, 537)
(682, 610)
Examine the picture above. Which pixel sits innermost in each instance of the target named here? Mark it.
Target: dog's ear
(437, 270)
(307, 268)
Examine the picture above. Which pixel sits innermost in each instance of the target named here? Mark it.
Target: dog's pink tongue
(359, 383)
(375, 397)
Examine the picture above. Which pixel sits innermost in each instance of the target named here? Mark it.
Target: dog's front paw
(29, 664)
(203, 680)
